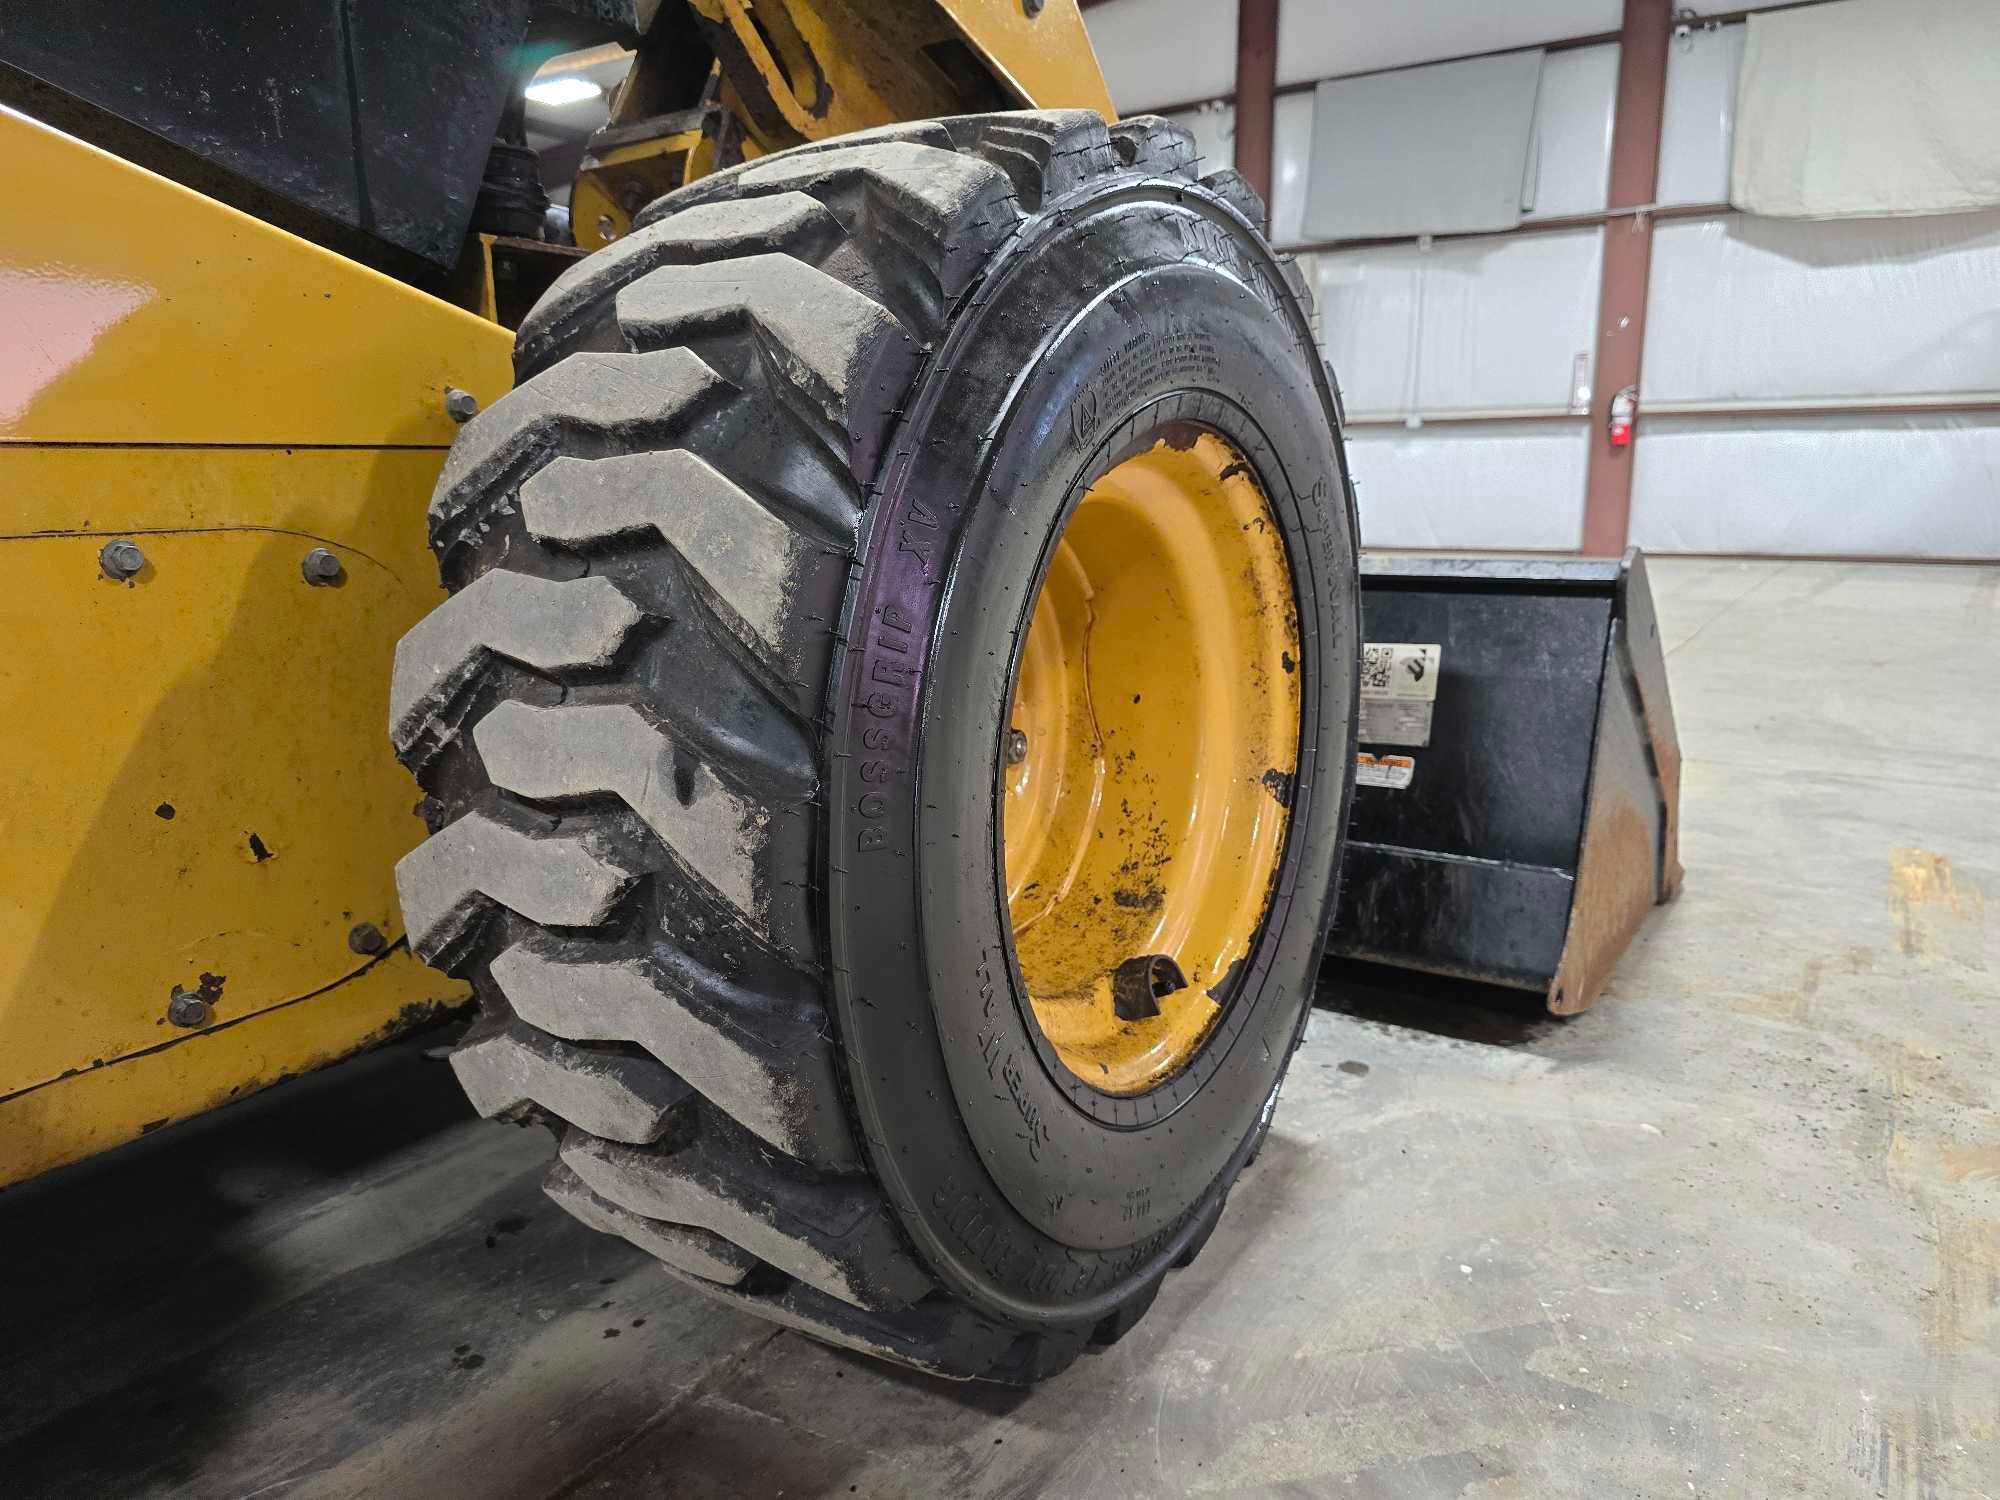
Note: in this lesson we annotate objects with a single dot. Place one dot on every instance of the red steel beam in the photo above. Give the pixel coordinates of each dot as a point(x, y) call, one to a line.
point(1628, 263)
point(1256, 89)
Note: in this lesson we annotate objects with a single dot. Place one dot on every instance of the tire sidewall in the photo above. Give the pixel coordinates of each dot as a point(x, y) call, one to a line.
point(1034, 1195)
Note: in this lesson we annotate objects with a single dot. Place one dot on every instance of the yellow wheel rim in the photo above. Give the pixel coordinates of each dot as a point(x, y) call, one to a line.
point(1151, 748)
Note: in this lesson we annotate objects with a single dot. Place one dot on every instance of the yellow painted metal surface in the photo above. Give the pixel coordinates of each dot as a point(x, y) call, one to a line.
point(227, 397)
point(809, 70)
point(1145, 807)
point(1047, 59)
point(613, 185)
point(138, 311)
point(192, 1072)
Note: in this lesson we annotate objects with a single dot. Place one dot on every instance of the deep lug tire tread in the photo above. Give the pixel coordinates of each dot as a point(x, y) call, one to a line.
point(617, 709)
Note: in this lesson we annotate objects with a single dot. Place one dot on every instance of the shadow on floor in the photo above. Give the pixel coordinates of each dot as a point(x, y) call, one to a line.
point(127, 1274)
point(1462, 1009)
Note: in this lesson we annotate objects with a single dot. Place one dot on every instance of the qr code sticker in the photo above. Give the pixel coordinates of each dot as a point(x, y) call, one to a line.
point(1375, 664)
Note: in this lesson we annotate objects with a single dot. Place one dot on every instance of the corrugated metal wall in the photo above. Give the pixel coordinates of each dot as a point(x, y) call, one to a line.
point(1809, 388)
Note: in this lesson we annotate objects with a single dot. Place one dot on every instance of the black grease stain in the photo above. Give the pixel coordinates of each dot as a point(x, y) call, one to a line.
point(611, 1333)
point(462, 1358)
point(164, 810)
point(1285, 661)
point(1358, 1069)
point(684, 785)
point(1239, 467)
point(1279, 785)
point(511, 1224)
point(1147, 900)
point(259, 850)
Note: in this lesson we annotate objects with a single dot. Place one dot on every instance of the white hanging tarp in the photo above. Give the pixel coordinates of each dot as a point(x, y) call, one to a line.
point(1869, 107)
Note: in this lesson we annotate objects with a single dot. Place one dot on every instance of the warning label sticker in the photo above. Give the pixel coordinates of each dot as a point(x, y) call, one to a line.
point(1399, 686)
point(1392, 771)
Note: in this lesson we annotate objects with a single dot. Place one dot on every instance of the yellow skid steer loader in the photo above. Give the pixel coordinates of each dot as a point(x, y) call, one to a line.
point(883, 743)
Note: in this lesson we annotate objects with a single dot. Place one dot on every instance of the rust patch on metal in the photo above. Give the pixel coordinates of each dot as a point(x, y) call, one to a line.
point(1615, 888)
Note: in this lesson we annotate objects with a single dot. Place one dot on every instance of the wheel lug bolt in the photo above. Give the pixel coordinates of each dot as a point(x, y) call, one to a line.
point(1017, 747)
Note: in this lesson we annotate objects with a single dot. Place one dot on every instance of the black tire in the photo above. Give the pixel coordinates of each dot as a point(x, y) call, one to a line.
point(701, 704)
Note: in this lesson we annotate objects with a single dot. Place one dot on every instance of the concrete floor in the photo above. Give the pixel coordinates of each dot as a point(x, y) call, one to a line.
point(1734, 1232)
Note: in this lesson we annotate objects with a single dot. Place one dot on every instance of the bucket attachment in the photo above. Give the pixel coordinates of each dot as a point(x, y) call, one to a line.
point(1517, 796)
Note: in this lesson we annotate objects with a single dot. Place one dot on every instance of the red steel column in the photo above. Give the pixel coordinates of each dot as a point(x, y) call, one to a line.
point(1256, 87)
point(1628, 262)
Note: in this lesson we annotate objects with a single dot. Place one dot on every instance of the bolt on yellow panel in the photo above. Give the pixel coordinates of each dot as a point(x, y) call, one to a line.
point(199, 794)
point(101, 1107)
point(196, 789)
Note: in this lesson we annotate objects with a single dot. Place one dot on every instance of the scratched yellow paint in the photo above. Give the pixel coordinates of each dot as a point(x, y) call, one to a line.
point(84, 1113)
point(159, 726)
point(1159, 711)
point(227, 397)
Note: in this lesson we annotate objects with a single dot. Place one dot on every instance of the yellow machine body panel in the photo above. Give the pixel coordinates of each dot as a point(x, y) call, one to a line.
point(1047, 58)
point(809, 70)
point(199, 794)
point(198, 788)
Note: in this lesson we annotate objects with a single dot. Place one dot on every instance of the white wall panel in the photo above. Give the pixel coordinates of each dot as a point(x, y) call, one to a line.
point(1291, 165)
point(1504, 319)
point(1766, 309)
point(1570, 170)
point(1571, 160)
point(1367, 314)
point(1160, 52)
point(1698, 127)
point(1330, 38)
point(1469, 325)
point(1435, 150)
point(1907, 486)
point(1499, 486)
point(1213, 127)
point(1214, 130)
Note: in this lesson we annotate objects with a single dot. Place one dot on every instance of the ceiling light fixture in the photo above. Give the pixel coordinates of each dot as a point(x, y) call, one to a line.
point(565, 90)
